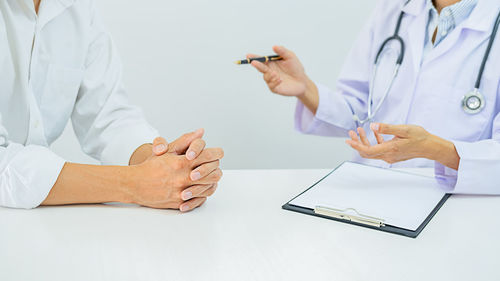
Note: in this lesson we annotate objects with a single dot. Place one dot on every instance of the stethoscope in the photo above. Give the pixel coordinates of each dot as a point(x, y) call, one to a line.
point(472, 103)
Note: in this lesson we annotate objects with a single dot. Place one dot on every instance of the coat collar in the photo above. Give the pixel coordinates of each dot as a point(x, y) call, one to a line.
point(49, 9)
point(481, 18)
point(480, 21)
point(414, 7)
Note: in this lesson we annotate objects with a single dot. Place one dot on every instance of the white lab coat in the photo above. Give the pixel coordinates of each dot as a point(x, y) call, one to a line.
point(427, 92)
point(57, 66)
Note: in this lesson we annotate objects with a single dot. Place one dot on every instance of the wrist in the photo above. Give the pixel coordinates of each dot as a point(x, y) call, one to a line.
point(310, 97)
point(128, 183)
point(308, 88)
point(442, 151)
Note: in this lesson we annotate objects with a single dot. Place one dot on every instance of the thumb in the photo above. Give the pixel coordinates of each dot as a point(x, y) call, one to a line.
point(283, 52)
point(160, 146)
point(180, 145)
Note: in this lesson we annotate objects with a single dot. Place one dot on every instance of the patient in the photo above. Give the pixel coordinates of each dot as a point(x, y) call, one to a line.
point(58, 62)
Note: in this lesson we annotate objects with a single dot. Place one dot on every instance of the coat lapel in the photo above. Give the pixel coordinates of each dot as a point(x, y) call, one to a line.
point(50, 9)
point(416, 38)
point(415, 18)
point(481, 20)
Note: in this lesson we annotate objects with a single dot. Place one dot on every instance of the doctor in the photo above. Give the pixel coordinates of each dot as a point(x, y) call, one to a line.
point(427, 113)
point(58, 62)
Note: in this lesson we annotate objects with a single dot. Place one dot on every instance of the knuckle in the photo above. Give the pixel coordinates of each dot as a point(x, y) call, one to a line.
point(221, 153)
point(202, 169)
point(180, 182)
point(177, 164)
point(209, 153)
point(211, 191)
point(180, 163)
point(162, 166)
point(198, 142)
point(186, 136)
point(201, 143)
point(178, 198)
point(365, 152)
point(184, 182)
point(218, 174)
point(395, 148)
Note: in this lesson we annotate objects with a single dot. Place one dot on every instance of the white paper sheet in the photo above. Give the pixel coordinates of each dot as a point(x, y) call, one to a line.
point(401, 199)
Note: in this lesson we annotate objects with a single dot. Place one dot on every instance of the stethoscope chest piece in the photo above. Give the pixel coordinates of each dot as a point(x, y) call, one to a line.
point(473, 102)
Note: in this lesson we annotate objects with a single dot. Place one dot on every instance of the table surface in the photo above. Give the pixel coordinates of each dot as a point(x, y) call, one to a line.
point(243, 234)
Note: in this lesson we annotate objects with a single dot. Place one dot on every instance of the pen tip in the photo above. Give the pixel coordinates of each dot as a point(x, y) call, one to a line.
point(237, 62)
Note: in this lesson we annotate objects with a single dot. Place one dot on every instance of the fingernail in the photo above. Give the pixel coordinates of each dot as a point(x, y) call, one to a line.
point(374, 126)
point(160, 148)
point(187, 195)
point(195, 175)
point(184, 208)
point(190, 155)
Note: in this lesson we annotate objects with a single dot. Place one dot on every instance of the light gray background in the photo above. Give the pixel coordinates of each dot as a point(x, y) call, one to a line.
point(178, 66)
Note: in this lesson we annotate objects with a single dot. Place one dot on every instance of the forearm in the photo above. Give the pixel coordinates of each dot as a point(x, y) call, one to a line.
point(442, 151)
point(310, 98)
point(79, 184)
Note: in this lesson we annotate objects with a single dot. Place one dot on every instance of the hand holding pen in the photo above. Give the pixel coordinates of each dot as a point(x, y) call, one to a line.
point(286, 76)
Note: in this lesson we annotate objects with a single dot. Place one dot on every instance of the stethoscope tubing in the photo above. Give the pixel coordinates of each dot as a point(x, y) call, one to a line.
point(399, 61)
point(397, 38)
point(487, 53)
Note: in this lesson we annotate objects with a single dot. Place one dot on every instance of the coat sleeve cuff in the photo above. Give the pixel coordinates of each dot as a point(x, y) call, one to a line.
point(29, 177)
point(479, 165)
point(446, 177)
point(119, 150)
point(333, 116)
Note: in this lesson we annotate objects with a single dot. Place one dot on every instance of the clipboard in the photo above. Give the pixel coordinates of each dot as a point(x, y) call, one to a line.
point(351, 215)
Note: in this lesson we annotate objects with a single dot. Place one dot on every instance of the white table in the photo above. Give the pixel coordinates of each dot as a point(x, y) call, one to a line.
point(243, 234)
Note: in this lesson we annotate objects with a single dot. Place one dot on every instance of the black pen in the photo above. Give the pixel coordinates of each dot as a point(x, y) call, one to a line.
point(261, 59)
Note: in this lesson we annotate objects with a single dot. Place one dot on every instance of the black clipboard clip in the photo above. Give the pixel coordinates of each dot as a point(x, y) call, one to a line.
point(343, 215)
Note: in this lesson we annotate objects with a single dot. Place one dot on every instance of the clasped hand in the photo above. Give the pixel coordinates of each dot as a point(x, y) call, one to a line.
point(180, 175)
